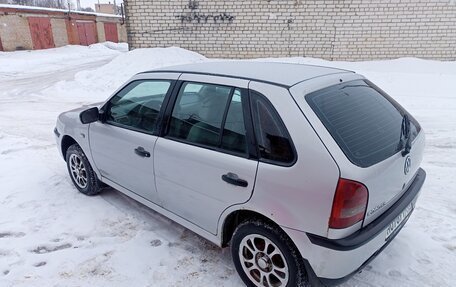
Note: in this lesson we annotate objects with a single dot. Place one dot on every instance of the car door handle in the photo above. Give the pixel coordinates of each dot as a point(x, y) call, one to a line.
point(234, 179)
point(142, 152)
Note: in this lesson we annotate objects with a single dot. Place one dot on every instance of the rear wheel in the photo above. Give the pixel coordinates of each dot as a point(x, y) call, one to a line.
point(265, 257)
point(81, 173)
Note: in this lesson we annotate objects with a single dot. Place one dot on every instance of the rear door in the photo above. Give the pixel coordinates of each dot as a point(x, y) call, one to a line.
point(202, 162)
point(362, 127)
point(122, 146)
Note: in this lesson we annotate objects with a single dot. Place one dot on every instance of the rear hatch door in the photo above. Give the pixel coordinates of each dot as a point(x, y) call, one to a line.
point(366, 132)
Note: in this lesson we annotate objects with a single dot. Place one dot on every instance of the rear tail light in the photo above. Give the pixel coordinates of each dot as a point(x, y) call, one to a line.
point(349, 204)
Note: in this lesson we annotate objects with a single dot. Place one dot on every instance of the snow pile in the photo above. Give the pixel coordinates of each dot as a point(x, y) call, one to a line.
point(50, 235)
point(100, 83)
point(123, 47)
point(42, 61)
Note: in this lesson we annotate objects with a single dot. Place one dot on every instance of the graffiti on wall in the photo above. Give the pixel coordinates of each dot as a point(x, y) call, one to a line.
point(194, 17)
point(197, 17)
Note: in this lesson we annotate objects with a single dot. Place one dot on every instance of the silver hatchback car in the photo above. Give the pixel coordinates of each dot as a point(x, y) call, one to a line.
point(306, 172)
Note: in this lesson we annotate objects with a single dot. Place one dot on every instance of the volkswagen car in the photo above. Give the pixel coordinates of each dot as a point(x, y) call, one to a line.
point(305, 172)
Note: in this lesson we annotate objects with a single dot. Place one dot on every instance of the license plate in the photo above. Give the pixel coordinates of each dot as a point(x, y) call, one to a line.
point(398, 220)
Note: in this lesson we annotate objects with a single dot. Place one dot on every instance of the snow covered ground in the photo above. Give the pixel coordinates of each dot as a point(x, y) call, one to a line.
point(50, 235)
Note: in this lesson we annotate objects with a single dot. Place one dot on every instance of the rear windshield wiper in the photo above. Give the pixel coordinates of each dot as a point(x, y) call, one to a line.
point(406, 133)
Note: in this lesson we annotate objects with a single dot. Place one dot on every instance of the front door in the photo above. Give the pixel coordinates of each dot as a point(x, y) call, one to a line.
point(122, 146)
point(202, 163)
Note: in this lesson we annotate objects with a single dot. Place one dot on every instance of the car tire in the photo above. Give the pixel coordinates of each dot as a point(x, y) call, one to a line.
point(262, 251)
point(81, 172)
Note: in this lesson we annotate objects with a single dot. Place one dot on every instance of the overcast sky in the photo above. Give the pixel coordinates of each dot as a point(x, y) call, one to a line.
point(91, 3)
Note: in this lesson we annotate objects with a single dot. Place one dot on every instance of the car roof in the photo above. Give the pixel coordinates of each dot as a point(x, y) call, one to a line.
point(283, 74)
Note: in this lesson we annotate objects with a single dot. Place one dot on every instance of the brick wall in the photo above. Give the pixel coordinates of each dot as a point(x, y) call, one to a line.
point(59, 32)
point(330, 29)
point(122, 31)
point(101, 32)
point(11, 27)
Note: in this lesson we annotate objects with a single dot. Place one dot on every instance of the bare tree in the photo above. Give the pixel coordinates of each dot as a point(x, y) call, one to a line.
point(39, 3)
point(87, 9)
point(48, 3)
point(24, 2)
point(60, 4)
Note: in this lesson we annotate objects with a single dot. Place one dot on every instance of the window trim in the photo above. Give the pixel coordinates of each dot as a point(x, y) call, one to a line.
point(285, 130)
point(225, 114)
point(166, 120)
point(155, 132)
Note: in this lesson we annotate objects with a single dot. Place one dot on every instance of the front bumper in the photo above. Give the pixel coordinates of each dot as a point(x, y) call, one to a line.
point(333, 261)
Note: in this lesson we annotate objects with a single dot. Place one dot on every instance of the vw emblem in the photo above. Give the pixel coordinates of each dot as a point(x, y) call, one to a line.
point(408, 164)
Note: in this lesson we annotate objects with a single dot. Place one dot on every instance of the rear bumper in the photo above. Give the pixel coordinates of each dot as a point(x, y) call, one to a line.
point(333, 261)
point(369, 232)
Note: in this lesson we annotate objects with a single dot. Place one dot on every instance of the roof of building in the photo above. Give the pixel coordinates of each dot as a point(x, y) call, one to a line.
point(284, 74)
point(31, 9)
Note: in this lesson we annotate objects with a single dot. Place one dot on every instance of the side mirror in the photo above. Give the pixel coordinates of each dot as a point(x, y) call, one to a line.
point(102, 116)
point(89, 116)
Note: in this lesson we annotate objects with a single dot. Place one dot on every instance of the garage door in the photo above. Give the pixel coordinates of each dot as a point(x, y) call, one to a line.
point(87, 33)
point(111, 32)
point(41, 32)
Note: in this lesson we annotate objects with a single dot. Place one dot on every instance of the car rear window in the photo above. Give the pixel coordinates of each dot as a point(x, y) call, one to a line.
point(363, 120)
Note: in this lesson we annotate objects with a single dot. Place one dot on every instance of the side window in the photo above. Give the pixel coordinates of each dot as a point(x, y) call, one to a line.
point(273, 141)
point(138, 104)
point(234, 133)
point(200, 115)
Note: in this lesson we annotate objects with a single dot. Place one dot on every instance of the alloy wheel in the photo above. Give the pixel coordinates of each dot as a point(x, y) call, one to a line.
point(263, 262)
point(78, 171)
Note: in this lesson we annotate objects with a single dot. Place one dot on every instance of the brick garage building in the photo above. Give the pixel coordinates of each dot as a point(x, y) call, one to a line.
point(27, 28)
point(330, 29)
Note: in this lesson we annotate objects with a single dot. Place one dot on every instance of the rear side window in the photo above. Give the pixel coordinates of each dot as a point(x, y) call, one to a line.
point(198, 114)
point(211, 116)
point(363, 120)
point(234, 133)
point(274, 143)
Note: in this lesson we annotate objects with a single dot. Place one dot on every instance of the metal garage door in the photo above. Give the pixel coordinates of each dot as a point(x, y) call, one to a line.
point(111, 32)
point(87, 33)
point(41, 32)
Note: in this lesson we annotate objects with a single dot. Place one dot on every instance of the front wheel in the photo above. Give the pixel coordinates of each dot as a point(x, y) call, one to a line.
point(264, 256)
point(81, 173)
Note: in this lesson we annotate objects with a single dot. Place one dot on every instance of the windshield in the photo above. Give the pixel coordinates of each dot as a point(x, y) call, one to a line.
point(363, 120)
